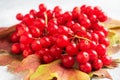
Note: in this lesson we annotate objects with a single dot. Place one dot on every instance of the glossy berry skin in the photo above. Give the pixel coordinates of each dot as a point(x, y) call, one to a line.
point(22, 29)
point(36, 45)
point(42, 7)
point(16, 48)
point(106, 60)
point(45, 42)
point(47, 58)
point(15, 37)
point(27, 52)
point(72, 49)
point(84, 45)
point(35, 31)
point(97, 64)
point(26, 38)
point(67, 61)
point(62, 41)
point(101, 50)
point(63, 30)
point(40, 23)
point(67, 16)
point(82, 57)
point(19, 16)
point(24, 46)
point(104, 41)
point(87, 68)
point(55, 52)
point(93, 55)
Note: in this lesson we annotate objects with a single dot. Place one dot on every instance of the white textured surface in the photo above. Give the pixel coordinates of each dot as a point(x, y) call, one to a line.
point(9, 9)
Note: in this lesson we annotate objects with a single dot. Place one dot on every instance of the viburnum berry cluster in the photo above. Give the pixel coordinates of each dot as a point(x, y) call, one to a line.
point(75, 36)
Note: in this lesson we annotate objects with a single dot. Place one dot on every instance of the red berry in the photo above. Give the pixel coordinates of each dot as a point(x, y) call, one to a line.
point(26, 38)
point(35, 31)
point(85, 67)
point(52, 29)
point(33, 12)
point(55, 52)
point(67, 16)
point(36, 45)
point(82, 57)
point(62, 41)
point(93, 55)
point(40, 23)
point(19, 16)
point(97, 64)
point(45, 42)
point(84, 45)
point(42, 7)
point(104, 41)
point(15, 37)
point(47, 58)
point(24, 46)
point(101, 50)
point(67, 61)
point(27, 52)
point(71, 49)
point(63, 30)
point(16, 48)
point(106, 60)
point(28, 19)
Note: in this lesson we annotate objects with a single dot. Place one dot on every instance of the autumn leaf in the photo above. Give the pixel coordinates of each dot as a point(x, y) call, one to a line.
point(27, 65)
point(6, 58)
point(102, 73)
point(54, 71)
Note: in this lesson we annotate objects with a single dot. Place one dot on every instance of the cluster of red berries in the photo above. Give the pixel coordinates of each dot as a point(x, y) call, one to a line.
point(72, 36)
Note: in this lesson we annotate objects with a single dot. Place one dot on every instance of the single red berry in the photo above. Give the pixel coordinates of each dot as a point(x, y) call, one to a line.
point(67, 16)
point(15, 37)
point(27, 52)
point(52, 28)
point(106, 60)
point(45, 42)
point(28, 19)
point(97, 64)
point(21, 29)
point(57, 9)
point(72, 49)
point(82, 57)
point(33, 12)
point(40, 53)
point(87, 68)
point(84, 45)
point(67, 61)
point(36, 45)
point(24, 46)
point(40, 23)
point(104, 41)
point(93, 55)
point(19, 16)
point(35, 31)
point(16, 48)
point(62, 41)
point(75, 13)
point(101, 50)
point(63, 30)
point(26, 38)
point(47, 58)
point(42, 7)
point(86, 23)
point(70, 24)
point(55, 51)
point(49, 14)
